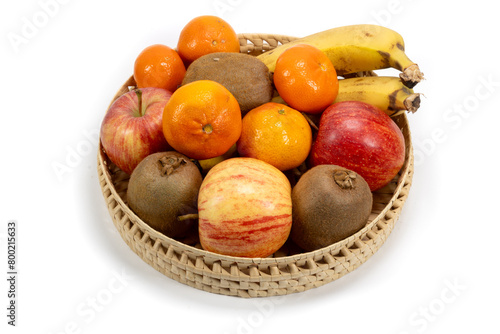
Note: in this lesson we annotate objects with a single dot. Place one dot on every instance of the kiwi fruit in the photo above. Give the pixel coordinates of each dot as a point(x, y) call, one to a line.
point(245, 76)
point(163, 192)
point(329, 203)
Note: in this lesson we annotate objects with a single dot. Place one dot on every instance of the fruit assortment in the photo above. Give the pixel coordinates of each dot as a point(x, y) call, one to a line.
point(244, 153)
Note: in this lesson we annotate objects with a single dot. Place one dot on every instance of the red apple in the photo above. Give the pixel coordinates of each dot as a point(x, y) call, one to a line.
point(132, 128)
point(245, 208)
point(362, 138)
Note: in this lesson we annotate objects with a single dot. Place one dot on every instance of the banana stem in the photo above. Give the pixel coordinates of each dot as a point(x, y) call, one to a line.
point(412, 102)
point(411, 76)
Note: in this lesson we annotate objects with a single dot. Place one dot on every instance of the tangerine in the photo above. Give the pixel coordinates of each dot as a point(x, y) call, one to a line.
point(306, 79)
point(202, 120)
point(159, 66)
point(276, 134)
point(206, 34)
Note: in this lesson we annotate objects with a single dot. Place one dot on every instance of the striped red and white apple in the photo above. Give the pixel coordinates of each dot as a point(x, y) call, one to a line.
point(245, 208)
point(132, 127)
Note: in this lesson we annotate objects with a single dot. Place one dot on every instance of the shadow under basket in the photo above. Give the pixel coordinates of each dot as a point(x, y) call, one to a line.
point(287, 271)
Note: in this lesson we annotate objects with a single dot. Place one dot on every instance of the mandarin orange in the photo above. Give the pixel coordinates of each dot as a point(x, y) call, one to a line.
point(159, 66)
point(206, 34)
point(306, 79)
point(202, 120)
point(276, 134)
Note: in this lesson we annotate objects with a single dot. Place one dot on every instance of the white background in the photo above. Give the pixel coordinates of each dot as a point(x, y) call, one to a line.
point(435, 273)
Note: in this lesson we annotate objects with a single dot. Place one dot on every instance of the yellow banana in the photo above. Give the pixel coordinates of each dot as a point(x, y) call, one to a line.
point(386, 93)
point(357, 48)
point(207, 164)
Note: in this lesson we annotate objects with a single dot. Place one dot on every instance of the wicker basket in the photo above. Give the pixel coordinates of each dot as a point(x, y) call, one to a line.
point(287, 271)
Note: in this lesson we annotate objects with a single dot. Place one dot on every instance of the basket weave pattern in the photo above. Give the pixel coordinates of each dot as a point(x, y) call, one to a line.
point(284, 272)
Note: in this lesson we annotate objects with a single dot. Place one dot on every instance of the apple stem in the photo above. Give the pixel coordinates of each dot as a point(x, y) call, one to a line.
point(139, 98)
point(188, 216)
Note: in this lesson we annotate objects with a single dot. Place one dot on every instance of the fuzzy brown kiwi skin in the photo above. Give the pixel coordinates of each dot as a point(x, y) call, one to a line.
point(329, 203)
point(163, 187)
point(245, 76)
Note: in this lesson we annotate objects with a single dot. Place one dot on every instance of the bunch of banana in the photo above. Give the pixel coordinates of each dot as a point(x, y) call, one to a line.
point(357, 48)
point(387, 93)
